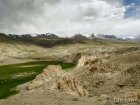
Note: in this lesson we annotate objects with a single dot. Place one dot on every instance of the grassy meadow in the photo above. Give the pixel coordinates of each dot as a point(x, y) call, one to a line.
point(16, 74)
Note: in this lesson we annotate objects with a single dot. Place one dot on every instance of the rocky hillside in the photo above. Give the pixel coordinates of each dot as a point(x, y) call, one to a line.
point(12, 51)
point(102, 76)
point(110, 74)
point(106, 70)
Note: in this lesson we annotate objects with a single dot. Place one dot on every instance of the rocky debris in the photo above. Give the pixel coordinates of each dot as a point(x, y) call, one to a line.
point(127, 50)
point(54, 78)
point(92, 59)
point(86, 60)
point(89, 64)
point(107, 75)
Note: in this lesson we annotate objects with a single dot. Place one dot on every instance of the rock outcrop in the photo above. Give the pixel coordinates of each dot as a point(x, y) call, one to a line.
point(107, 75)
point(54, 78)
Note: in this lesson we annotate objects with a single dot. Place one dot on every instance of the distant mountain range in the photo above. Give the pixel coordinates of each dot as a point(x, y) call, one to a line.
point(48, 35)
point(50, 39)
point(137, 38)
point(102, 36)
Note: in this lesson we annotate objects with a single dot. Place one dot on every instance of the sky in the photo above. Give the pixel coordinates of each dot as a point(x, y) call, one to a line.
point(68, 17)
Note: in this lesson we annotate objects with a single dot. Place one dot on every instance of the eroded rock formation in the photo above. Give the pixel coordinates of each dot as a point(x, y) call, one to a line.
point(54, 78)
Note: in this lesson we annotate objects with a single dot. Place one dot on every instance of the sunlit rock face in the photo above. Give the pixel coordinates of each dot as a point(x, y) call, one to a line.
point(54, 78)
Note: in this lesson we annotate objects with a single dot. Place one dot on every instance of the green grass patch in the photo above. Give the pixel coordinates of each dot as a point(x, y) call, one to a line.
point(17, 74)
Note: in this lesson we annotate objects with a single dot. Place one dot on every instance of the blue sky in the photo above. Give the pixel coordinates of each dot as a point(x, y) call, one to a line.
point(133, 9)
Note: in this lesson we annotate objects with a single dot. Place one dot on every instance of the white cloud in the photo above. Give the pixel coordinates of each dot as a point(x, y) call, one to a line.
point(127, 27)
point(72, 16)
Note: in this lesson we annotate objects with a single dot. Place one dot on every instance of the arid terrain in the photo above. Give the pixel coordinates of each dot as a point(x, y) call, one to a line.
point(107, 72)
point(69, 52)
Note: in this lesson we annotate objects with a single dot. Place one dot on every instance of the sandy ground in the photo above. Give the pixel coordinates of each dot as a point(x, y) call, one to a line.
point(50, 98)
point(42, 97)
